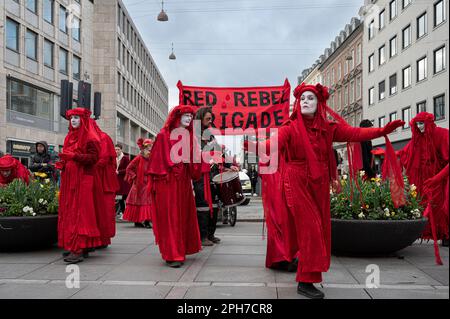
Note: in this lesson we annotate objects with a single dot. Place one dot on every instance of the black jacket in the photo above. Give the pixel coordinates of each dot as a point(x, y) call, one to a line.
point(38, 159)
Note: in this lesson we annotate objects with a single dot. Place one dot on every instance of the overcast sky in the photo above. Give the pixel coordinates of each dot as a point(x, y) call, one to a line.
point(238, 42)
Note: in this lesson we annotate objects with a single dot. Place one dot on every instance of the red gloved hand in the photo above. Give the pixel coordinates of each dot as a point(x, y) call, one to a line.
point(392, 126)
point(59, 165)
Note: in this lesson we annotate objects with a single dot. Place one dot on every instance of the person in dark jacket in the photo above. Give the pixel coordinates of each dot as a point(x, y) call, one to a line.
point(207, 219)
point(122, 163)
point(254, 180)
point(367, 156)
point(41, 162)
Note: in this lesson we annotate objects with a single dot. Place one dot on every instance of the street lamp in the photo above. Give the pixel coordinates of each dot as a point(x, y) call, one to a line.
point(172, 55)
point(162, 16)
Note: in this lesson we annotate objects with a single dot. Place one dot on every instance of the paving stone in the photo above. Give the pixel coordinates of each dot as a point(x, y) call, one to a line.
point(35, 257)
point(236, 260)
point(438, 273)
point(239, 250)
point(145, 273)
point(408, 294)
point(122, 292)
point(330, 293)
point(58, 272)
point(231, 293)
point(33, 291)
point(11, 271)
point(235, 274)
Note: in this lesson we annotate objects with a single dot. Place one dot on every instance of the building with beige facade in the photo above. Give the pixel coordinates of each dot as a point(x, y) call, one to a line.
point(46, 41)
point(405, 63)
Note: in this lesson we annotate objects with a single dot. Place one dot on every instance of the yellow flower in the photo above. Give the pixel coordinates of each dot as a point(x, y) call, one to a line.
point(367, 206)
point(414, 194)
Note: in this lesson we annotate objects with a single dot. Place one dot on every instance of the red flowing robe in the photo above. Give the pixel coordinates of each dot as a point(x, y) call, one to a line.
point(425, 159)
point(175, 223)
point(18, 171)
point(106, 185)
point(77, 220)
point(139, 201)
point(307, 228)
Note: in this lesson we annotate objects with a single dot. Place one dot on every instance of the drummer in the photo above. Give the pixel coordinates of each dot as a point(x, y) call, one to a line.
point(206, 198)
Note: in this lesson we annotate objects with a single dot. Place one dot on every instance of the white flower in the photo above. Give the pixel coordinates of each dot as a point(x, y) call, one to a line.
point(386, 210)
point(45, 202)
point(361, 215)
point(378, 176)
point(413, 187)
point(344, 177)
point(47, 181)
point(26, 209)
point(41, 200)
point(388, 215)
point(362, 173)
point(34, 214)
point(42, 186)
point(378, 184)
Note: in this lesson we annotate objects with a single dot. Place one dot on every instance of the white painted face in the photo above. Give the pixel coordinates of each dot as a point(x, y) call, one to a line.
point(6, 173)
point(308, 103)
point(421, 126)
point(75, 121)
point(186, 119)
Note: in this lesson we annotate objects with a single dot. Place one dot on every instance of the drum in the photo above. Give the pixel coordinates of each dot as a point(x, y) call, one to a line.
point(230, 189)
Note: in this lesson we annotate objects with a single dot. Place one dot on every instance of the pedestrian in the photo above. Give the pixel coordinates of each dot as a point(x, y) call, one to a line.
point(425, 159)
point(78, 231)
point(11, 169)
point(367, 156)
point(175, 223)
point(106, 185)
point(254, 179)
point(41, 161)
point(305, 141)
point(124, 188)
point(138, 209)
point(206, 192)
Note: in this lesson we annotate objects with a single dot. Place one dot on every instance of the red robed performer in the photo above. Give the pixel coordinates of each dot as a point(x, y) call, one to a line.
point(426, 159)
point(106, 185)
point(175, 217)
point(77, 221)
point(11, 169)
point(305, 142)
point(138, 209)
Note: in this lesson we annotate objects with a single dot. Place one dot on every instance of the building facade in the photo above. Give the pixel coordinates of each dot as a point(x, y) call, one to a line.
point(46, 41)
point(405, 63)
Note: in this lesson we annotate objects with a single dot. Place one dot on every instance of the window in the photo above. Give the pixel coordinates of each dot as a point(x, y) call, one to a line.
point(339, 71)
point(32, 5)
point(381, 121)
point(382, 55)
point(406, 77)
point(358, 87)
point(63, 19)
point(76, 67)
point(371, 62)
point(406, 32)
point(358, 54)
point(63, 61)
point(439, 107)
point(371, 95)
point(421, 107)
point(381, 19)
point(392, 9)
point(371, 29)
point(406, 3)
point(422, 25)
point(439, 13)
point(76, 29)
point(392, 116)
point(48, 11)
point(48, 53)
point(406, 117)
point(29, 100)
point(352, 92)
point(439, 60)
point(31, 45)
point(393, 47)
point(381, 90)
point(422, 69)
point(12, 35)
point(393, 84)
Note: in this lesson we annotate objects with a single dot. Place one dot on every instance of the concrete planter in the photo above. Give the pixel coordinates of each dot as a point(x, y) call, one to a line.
point(28, 233)
point(374, 237)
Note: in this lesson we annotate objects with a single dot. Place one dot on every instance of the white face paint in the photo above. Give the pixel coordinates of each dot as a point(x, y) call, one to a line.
point(421, 126)
point(308, 104)
point(186, 119)
point(75, 121)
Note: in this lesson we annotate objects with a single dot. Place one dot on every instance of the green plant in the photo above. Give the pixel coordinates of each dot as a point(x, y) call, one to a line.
point(38, 198)
point(372, 201)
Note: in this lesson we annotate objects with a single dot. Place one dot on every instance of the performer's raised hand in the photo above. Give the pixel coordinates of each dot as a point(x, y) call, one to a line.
point(392, 126)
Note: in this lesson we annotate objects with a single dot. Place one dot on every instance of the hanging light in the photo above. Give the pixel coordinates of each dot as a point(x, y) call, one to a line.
point(172, 55)
point(162, 16)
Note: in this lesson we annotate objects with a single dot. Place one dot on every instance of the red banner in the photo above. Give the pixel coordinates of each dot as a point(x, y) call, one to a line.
point(241, 108)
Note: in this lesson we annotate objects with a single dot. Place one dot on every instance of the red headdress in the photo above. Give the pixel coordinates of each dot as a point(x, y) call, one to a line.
point(78, 137)
point(173, 120)
point(8, 162)
point(142, 143)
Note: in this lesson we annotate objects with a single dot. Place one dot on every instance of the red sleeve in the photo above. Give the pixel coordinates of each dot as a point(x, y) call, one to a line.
point(347, 133)
point(91, 156)
point(131, 170)
point(443, 143)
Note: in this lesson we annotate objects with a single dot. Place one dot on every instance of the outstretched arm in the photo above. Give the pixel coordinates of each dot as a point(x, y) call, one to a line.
point(347, 133)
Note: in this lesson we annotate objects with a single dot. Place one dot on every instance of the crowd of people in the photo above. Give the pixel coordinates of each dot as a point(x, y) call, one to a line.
point(165, 189)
